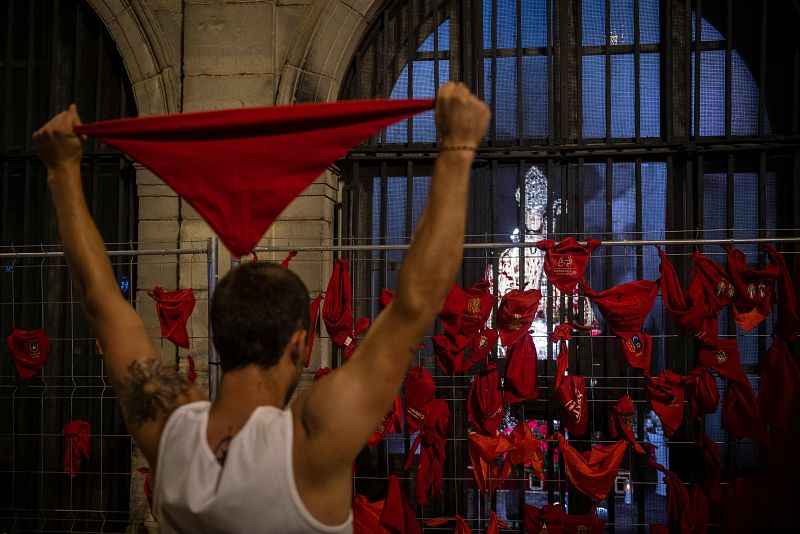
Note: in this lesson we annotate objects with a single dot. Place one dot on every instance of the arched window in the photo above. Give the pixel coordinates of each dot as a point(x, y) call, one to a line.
point(53, 53)
point(604, 124)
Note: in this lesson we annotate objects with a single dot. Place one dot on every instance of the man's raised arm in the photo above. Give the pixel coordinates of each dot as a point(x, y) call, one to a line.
point(148, 391)
point(344, 408)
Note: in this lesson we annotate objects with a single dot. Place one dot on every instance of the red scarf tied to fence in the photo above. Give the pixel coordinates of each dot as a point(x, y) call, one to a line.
point(433, 438)
point(392, 422)
point(570, 390)
point(516, 313)
point(522, 374)
point(752, 302)
point(337, 312)
point(367, 516)
point(77, 434)
point(779, 388)
point(565, 261)
point(174, 309)
point(666, 398)
point(519, 447)
point(485, 400)
point(625, 307)
point(29, 348)
point(465, 311)
point(240, 168)
point(740, 414)
point(620, 425)
point(787, 326)
point(722, 356)
point(420, 390)
point(703, 392)
point(592, 472)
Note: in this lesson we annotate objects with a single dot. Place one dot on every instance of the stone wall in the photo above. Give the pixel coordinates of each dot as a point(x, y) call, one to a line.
point(194, 55)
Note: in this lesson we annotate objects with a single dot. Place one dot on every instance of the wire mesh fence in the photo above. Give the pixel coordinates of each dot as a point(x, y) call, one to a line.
point(41, 489)
point(639, 495)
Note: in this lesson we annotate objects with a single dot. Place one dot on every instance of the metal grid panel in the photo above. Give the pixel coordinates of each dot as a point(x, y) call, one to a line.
point(626, 145)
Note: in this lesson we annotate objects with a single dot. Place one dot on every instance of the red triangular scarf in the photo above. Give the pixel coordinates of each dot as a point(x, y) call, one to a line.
point(565, 261)
point(240, 168)
point(626, 306)
point(522, 447)
point(723, 357)
point(752, 302)
point(621, 423)
point(174, 309)
point(516, 313)
point(312, 327)
point(592, 472)
point(521, 374)
point(29, 348)
point(740, 414)
point(337, 312)
point(77, 433)
point(703, 392)
point(480, 346)
point(570, 390)
point(485, 400)
point(666, 398)
point(433, 438)
point(392, 422)
point(397, 516)
point(420, 390)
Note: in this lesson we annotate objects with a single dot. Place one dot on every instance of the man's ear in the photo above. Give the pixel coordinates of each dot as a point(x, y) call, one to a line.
point(298, 346)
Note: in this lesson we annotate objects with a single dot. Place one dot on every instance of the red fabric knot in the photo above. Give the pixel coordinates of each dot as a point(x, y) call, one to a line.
point(516, 313)
point(565, 261)
point(703, 392)
point(191, 374)
point(361, 326)
point(337, 312)
point(392, 422)
point(592, 472)
point(147, 486)
point(397, 516)
point(289, 257)
point(552, 519)
point(240, 168)
point(521, 381)
point(753, 299)
point(461, 527)
point(570, 390)
point(666, 397)
point(432, 437)
point(30, 349)
point(465, 311)
point(620, 425)
point(521, 447)
point(174, 309)
point(77, 434)
point(485, 401)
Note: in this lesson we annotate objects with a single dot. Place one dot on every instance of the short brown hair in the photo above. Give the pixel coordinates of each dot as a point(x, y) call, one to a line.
point(254, 311)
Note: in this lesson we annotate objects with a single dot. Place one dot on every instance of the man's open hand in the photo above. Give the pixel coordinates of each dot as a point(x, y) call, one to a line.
point(461, 118)
point(56, 142)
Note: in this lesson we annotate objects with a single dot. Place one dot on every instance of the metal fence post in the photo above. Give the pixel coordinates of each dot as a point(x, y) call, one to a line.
point(213, 357)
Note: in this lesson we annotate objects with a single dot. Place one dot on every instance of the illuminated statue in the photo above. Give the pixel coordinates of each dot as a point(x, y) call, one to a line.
point(537, 226)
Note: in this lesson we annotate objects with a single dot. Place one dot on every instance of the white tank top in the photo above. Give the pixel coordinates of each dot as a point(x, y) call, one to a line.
point(254, 491)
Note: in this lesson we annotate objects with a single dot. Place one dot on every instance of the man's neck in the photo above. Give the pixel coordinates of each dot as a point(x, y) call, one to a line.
point(243, 390)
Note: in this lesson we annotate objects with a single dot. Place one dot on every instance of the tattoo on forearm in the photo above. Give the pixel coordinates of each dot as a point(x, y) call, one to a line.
point(148, 390)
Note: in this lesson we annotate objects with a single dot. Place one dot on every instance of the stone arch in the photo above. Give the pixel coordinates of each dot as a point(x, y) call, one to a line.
point(319, 58)
point(145, 51)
